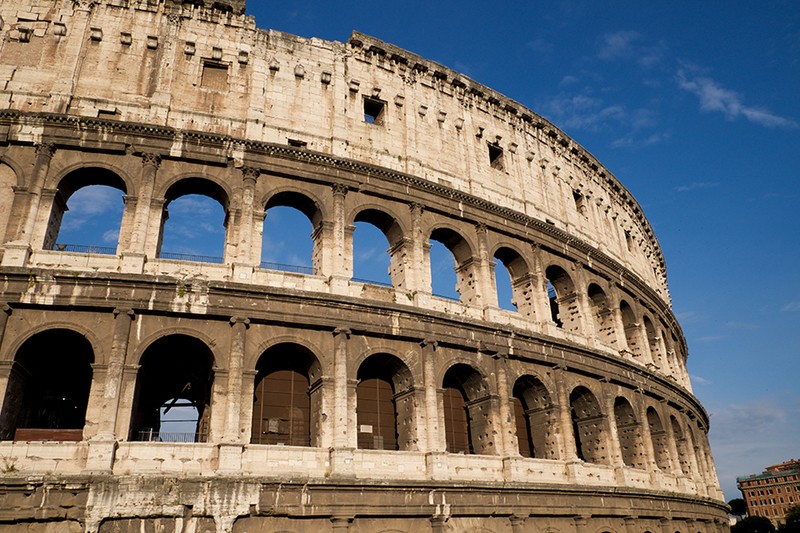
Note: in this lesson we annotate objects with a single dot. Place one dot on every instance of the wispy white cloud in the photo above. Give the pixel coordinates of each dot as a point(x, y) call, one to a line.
point(714, 97)
point(742, 326)
point(617, 44)
point(697, 185)
point(749, 436)
point(629, 45)
point(699, 380)
point(709, 338)
point(791, 307)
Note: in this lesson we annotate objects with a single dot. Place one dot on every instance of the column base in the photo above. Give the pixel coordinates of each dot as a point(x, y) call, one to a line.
point(16, 254)
point(102, 452)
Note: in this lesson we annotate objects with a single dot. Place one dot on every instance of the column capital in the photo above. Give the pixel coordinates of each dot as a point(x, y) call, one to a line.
point(342, 331)
point(339, 189)
point(250, 174)
point(240, 320)
point(127, 311)
point(416, 208)
point(151, 159)
point(7, 309)
point(429, 342)
point(45, 150)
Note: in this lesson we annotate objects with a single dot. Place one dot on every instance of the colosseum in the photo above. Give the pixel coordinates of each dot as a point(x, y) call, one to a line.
point(321, 402)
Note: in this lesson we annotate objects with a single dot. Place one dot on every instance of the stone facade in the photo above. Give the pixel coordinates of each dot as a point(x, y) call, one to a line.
point(573, 413)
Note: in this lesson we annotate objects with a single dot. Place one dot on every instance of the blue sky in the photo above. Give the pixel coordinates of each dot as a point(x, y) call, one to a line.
point(694, 106)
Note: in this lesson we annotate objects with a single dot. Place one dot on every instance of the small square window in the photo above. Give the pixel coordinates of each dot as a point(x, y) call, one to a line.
point(374, 110)
point(496, 157)
point(297, 143)
point(215, 76)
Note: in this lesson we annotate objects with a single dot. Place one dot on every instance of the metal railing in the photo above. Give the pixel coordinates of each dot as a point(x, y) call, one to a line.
point(191, 257)
point(373, 282)
point(297, 269)
point(151, 435)
point(85, 249)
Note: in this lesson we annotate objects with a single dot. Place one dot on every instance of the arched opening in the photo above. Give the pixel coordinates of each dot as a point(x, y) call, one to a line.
point(292, 236)
point(48, 388)
point(513, 282)
point(384, 404)
point(87, 212)
point(287, 397)
point(466, 411)
point(8, 180)
point(172, 402)
point(194, 223)
point(630, 435)
point(682, 446)
point(589, 427)
point(631, 326)
point(375, 239)
point(563, 299)
point(654, 342)
point(503, 287)
point(659, 437)
point(602, 314)
point(534, 419)
point(461, 269)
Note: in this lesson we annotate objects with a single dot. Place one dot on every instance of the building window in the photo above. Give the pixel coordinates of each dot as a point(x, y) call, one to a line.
point(374, 111)
point(215, 76)
point(496, 156)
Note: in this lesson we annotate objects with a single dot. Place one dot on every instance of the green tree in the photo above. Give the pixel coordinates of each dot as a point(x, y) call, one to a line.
point(738, 507)
point(791, 521)
point(753, 524)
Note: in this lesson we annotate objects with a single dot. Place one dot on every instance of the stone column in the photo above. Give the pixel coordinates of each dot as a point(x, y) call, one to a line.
point(486, 287)
point(5, 366)
point(614, 449)
point(125, 409)
point(432, 433)
point(341, 438)
point(341, 261)
point(245, 245)
point(18, 251)
point(344, 437)
point(569, 450)
point(233, 422)
point(622, 339)
point(541, 300)
point(647, 438)
point(134, 252)
point(587, 326)
point(507, 438)
point(248, 388)
point(630, 524)
point(646, 352)
point(105, 401)
point(418, 272)
point(672, 446)
point(230, 447)
point(438, 524)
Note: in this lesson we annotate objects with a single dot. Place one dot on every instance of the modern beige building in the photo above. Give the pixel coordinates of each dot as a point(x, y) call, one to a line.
point(319, 402)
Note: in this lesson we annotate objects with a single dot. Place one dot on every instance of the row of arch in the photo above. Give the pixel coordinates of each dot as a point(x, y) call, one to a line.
point(485, 268)
point(49, 389)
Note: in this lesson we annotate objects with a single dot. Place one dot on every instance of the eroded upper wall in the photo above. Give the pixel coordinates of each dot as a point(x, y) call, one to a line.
point(198, 68)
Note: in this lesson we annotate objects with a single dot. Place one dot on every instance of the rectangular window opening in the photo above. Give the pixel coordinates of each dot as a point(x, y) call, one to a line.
point(215, 76)
point(496, 157)
point(374, 110)
point(297, 143)
point(580, 202)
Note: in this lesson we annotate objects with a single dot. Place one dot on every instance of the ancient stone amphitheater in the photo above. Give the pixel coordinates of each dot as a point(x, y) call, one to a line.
point(321, 402)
